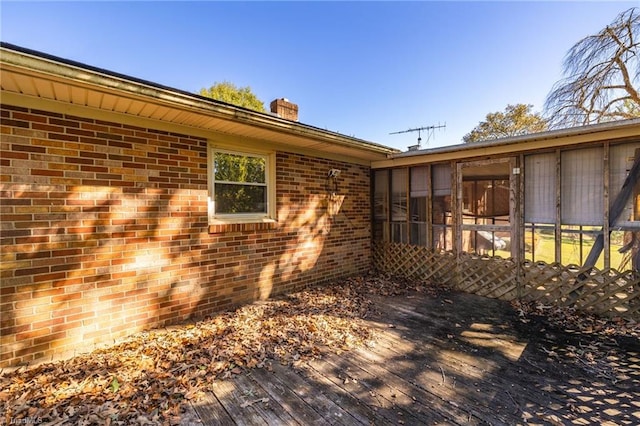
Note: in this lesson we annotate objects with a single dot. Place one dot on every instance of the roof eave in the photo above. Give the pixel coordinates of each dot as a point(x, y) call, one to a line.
point(39, 63)
point(614, 130)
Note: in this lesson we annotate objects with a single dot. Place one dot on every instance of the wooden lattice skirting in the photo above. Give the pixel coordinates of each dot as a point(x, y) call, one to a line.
point(605, 293)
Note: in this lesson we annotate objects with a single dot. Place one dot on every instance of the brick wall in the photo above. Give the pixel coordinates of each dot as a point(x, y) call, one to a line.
point(104, 233)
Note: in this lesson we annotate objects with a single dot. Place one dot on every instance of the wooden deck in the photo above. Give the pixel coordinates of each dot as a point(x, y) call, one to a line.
point(456, 359)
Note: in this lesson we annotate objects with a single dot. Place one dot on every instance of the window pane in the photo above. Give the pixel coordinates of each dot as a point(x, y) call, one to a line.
point(380, 231)
point(399, 205)
point(442, 210)
point(418, 206)
point(239, 168)
point(441, 204)
point(380, 205)
point(399, 232)
point(418, 233)
point(380, 194)
point(399, 195)
point(234, 198)
point(418, 212)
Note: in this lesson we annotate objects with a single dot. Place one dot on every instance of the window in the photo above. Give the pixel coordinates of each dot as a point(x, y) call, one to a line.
point(401, 206)
point(241, 188)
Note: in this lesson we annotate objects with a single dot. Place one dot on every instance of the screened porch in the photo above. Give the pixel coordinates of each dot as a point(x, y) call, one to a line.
point(562, 224)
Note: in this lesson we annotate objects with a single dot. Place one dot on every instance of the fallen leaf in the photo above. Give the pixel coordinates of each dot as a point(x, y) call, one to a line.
point(156, 372)
point(249, 403)
point(115, 385)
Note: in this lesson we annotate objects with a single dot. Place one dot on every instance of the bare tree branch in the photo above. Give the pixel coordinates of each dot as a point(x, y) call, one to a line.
point(602, 74)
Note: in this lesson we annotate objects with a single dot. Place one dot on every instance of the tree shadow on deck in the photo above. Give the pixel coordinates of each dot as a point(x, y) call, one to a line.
point(479, 356)
point(458, 358)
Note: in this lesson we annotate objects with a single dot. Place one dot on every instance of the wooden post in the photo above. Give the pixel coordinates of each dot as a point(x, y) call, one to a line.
point(519, 237)
point(387, 227)
point(514, 210)
point(457, 204)
point(605, 205)
point(429, 210)
point(456, 213)
point(635, 257)
point(558, 230)
point(407, 206)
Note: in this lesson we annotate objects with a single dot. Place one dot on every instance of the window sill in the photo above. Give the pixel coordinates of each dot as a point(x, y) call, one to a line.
point(221, 227)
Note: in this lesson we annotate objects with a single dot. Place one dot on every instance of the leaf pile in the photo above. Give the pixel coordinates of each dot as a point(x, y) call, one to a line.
point(388, 285)
point(598, 345)
point(150, 376)
point(572, 321)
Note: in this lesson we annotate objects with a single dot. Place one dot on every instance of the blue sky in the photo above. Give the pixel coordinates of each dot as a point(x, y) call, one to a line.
point(364, 69)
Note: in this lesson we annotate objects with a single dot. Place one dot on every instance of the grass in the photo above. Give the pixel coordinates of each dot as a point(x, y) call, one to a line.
point(570, 251)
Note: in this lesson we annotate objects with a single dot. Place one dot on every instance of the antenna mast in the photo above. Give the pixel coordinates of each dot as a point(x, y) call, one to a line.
point(428, 129)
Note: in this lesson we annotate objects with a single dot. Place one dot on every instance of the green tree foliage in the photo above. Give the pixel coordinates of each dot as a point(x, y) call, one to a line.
point(602, 76)
point(231, 94)
point(514, 121)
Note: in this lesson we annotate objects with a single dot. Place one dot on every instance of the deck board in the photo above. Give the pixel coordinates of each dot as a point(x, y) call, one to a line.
point(398, 395)
point(460, 360)
point(229, 394)
point(265, 405)
point(300, 397)
point(288, 400)
point(428, 401)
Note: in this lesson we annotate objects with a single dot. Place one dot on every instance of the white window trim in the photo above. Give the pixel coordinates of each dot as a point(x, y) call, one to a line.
point(222, 219)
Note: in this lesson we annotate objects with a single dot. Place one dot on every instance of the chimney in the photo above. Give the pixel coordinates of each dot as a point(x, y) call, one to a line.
point(284, 109)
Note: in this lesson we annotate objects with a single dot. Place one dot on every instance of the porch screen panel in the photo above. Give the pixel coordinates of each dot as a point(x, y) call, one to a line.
point(582, 187)
point(441, 179)
point(540, 188)
point(380, 205)
point(399, 205)
point(418, 205)
point(441, 207)
point(621, 159)
point(419, 182)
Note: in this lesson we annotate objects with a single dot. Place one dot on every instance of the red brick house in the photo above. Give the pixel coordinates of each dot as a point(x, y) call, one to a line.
point(128, 205)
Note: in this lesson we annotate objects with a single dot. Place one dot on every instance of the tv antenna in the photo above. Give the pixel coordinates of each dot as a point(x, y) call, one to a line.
point(428, 129)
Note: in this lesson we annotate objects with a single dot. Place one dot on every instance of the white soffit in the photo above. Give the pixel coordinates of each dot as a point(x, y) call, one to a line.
point(66, 84)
